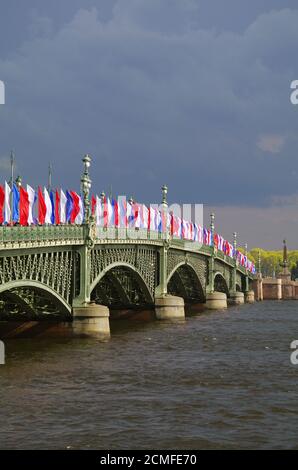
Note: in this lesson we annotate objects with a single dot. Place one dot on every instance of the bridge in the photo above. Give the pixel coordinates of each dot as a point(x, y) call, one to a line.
point(82, 273)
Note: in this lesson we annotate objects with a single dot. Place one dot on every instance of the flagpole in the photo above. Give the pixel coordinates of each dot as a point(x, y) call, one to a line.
point(18, 185)
point(49, 177)
point(11, 183)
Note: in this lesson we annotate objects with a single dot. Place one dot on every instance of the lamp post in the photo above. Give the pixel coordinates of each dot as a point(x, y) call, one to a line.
point(259, 263)
point(245, 252)
point(164, 205)
point(212, 227)
point(211, 266)
point(50, 177)
point(235, 244)
point(12, 162)
point(164, 190)
point(163, 263)
point(86, 186)
point(246, 276)
point(234, 280)
point(19, 182)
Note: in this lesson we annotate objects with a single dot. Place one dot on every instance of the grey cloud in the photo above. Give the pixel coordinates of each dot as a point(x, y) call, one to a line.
point(156, 98)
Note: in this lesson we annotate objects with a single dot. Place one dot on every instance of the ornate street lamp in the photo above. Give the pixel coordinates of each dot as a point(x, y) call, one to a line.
point(164, 195)
point(86, 186)
point(259, 262)
point(50, 177)
point(164, 204)
point(245, 249)
point(19, 182)
point(212, 227)
point(235, 243)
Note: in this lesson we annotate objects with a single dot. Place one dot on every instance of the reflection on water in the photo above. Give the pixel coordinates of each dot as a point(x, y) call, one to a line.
point(218, 380)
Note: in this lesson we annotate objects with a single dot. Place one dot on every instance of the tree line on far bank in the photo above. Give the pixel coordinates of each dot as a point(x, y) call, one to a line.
point(271, 261)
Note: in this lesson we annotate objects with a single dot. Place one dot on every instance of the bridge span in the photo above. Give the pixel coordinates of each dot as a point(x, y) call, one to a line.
point(84, 272)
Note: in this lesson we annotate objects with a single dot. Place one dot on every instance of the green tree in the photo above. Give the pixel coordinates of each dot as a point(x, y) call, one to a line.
point(271, 260)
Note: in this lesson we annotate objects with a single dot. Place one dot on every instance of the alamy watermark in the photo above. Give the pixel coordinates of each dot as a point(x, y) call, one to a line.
point(294, 94)
point(2, 92)
point(2, 353)
point(158, 221)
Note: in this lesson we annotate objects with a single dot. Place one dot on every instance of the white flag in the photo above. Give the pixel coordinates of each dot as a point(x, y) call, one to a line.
point(129, 214)
point(144, 216)
point(99, 212)
point(63, 200)
point(80, 217)
point(7, 212)
point(137, 214)
point(110, 213)
point(31, 197)
point(47, 200)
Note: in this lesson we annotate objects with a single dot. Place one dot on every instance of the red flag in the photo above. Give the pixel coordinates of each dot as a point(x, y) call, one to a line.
point(172, 224)
point(136, 210)
point(105, 212)
point(216, 240)
point(57, 206)
point(93, 204)
point(24, 206)
point(116, 212)
point(42, 208)
point(2, 199)
point(76, 206)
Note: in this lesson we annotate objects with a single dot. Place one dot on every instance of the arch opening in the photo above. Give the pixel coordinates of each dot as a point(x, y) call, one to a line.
point(121, 287)
point(220, 284)
point(185, 283)
point(20, 301)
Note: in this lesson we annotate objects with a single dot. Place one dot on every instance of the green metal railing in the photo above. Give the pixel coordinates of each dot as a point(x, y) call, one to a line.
point(74, 234)
point(40, 233)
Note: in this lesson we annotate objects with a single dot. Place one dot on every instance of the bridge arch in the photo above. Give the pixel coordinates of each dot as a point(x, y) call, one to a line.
point(184, 281)
point(123, 282)
point(220, 283)
point(35, 286)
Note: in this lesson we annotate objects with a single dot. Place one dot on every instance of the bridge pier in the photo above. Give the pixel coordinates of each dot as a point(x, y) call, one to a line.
point(216, 300)
point(249, 297)
point(236, 298)
point(91, 320)
point(258, 288)
point(169, 307)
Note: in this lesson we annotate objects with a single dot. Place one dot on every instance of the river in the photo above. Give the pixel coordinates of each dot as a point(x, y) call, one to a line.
point(219, 380)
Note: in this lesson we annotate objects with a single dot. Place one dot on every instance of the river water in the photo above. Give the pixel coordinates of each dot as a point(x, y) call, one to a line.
point(219, 380)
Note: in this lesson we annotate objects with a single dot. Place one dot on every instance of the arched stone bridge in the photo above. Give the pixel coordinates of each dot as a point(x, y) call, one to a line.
point(71, 270)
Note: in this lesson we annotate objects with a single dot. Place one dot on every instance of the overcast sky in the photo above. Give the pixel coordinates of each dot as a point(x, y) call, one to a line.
point(191, 93)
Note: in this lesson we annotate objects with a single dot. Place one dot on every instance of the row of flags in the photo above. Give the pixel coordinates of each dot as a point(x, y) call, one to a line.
point(30, 207)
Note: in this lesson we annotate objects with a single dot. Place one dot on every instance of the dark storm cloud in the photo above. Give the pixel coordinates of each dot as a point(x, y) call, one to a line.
point(157, 93)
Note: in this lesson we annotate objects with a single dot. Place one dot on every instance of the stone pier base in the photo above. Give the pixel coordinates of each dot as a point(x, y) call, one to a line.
point(91, 320)
point(249, 297)
point(216, 300)
point(272, 289)
point(258, 288)
point(169, 307)
point(288, 289)
point(236, 298)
